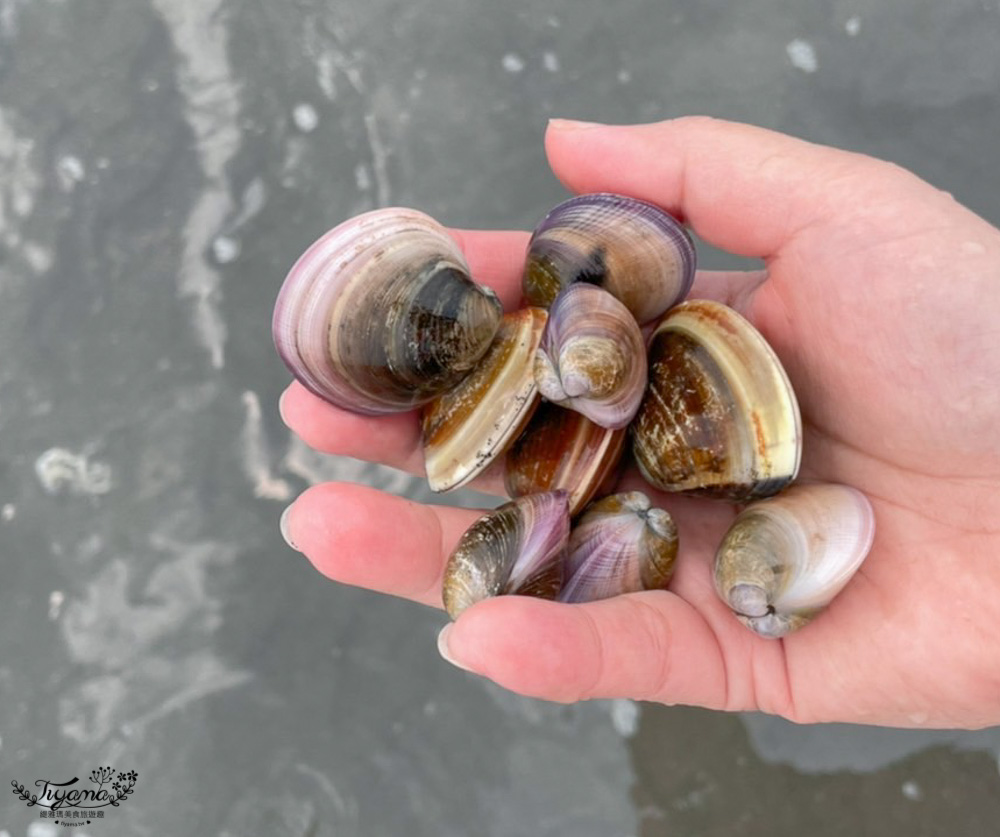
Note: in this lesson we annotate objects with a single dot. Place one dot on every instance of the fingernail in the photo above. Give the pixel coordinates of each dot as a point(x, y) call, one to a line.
point(573, 125)
point(445, 651)
point(281, 404)
point(283, 525)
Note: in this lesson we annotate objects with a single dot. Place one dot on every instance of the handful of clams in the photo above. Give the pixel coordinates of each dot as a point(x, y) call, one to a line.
point(381, 315)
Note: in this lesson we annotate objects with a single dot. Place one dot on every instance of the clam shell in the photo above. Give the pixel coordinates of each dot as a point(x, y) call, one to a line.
point(719, 417)
point(633, 249)
point(467, 428)
point(517, 548)
point(380, 315)
point(560, 449)
point(784, 559)
point(592, 358)
point(619, 545)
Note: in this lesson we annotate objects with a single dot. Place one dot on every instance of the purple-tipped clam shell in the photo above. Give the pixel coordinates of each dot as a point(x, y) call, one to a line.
point(592, 358)
point(635, 250)
point(379, 315)
point(619, 545)
point(515, 549)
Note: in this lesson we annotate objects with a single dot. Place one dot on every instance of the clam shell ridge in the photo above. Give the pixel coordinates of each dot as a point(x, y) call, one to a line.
point(517, 548)
point(784, 559)
point(380, 315)
point(719, 417)
point(620, 545)
point(561, 449)
point(633, 249)
point(470, 426)
point(592, 358)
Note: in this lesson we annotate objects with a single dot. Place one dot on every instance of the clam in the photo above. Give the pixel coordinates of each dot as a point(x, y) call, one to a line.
point(719, 417)
point(592, 358)
point(560, 449)
point(784, 559)
point(380, 314)
point(467, 428)
point(636, 251)
point(516, 549)
point(619, 545)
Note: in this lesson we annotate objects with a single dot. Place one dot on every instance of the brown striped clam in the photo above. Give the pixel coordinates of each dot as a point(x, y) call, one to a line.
point(719, 417)
point(468, 427)
point(592, 358)
point(562, 449)
point(380, 315)
point(621, 544)
point(785, 558)
point(633, 249)
point(516, 549)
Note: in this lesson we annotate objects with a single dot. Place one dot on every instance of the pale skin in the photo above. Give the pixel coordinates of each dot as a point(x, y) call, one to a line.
point(881, 296)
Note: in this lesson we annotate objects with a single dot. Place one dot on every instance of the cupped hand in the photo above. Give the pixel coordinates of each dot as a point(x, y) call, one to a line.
point(881, 295)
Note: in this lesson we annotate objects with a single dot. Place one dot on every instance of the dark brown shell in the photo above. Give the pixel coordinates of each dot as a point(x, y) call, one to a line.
point(562, 449)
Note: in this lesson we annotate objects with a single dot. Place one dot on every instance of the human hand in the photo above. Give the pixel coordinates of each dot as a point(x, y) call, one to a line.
point(881, 296)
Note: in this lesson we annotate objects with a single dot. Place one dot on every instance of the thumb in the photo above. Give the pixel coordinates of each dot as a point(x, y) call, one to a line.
point(646, 646)
point(743, 189)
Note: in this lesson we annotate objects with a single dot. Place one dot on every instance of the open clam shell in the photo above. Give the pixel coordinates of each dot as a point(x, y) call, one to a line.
point(516, 549)
point(784, 559)
point(620, 545)
point(561, 449)
point(380, 315)
point(633, 249)
point(719, 417)
point(592, 358)
point(467, 428)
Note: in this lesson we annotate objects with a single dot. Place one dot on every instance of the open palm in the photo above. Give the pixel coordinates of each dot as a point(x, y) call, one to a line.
point(882, 298)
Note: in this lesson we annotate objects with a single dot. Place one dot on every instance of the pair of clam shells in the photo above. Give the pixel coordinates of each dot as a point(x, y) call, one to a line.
point(619, 545)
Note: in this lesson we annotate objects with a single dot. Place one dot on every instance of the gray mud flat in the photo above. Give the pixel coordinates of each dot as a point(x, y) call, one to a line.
point(162, 163)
